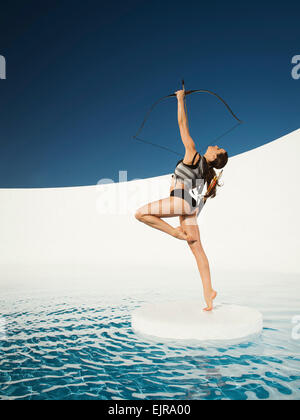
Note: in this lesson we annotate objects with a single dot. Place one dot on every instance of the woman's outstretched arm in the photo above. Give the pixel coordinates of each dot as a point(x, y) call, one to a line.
point(184, 127)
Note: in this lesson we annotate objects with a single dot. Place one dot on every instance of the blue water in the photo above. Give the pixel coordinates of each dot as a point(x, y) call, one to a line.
point(81, 346)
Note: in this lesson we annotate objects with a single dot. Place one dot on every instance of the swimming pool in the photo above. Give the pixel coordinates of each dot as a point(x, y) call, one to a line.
point(61, 345)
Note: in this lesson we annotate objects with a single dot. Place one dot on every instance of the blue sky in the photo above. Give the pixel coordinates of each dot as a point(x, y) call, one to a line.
point(81, 76)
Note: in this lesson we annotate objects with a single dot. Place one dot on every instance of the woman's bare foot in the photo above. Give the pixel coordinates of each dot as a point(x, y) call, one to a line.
point(179, 233)
point(209, 300)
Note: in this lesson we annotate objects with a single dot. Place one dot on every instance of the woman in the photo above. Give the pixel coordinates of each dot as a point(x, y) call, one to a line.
point(190, 175)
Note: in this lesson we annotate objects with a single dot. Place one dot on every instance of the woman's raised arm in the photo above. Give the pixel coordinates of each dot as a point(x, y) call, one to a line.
point(183, 123)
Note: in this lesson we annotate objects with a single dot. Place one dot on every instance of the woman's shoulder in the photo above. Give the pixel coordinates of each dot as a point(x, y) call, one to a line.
point(192, 160)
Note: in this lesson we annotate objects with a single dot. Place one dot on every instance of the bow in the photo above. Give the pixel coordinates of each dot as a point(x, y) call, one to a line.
point(188, 92)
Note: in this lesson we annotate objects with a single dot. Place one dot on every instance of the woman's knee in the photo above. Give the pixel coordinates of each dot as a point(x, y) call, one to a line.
point(193, 242)
point(139, 214)
point(143, 211)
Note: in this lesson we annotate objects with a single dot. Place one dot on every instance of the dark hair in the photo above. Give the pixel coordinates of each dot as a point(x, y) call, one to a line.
point(218, 163)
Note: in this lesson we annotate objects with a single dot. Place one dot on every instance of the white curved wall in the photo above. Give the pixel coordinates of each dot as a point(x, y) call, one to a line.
point(252, 224)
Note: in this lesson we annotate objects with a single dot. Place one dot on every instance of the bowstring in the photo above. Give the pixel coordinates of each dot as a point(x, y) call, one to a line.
point(157, 145)
point(222, 135)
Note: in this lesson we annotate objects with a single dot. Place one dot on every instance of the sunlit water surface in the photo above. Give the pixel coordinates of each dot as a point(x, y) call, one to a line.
point(62, 345)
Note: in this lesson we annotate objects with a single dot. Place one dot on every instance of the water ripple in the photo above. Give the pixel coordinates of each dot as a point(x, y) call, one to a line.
point(60, 348)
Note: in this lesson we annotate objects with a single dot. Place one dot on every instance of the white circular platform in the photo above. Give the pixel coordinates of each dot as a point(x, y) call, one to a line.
point(186, 320)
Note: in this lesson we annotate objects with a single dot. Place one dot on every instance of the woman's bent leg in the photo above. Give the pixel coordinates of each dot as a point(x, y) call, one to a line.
point(151, 215)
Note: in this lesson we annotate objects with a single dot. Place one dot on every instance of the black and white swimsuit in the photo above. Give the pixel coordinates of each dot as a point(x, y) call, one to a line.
point(193, 178)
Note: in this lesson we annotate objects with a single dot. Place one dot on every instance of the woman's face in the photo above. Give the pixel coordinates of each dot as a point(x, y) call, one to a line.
point(214, 151)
